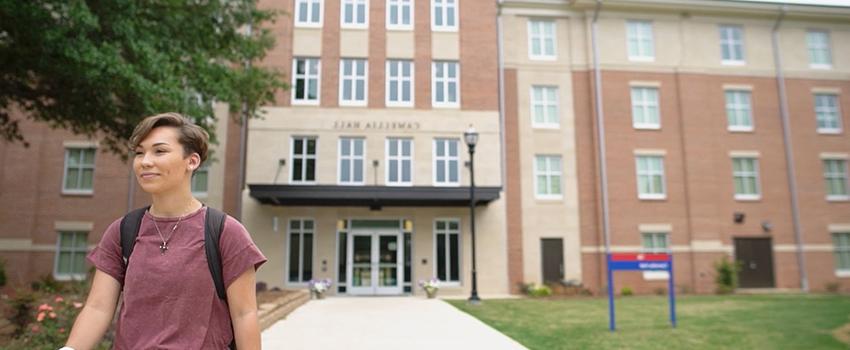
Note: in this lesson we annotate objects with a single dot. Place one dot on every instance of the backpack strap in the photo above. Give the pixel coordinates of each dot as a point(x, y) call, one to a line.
point(213, 226)
point(129, 229)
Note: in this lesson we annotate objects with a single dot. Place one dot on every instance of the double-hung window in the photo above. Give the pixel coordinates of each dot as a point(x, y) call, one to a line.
point(200, 181)
point(400, 14)
point(303, 160)
point(300, 245)
point(79, 171)
point(399, 162)
point(827, 113)
point(645, 113)
point(650, 177)
point(841, 240)
point(351, 161)
point(739, 110)
point(447, 250)
point(655, 243)
point(446, 162)
point(547, 177)
point(444, 15)
point(305, 81)
point(308, 13)
point(541, 40)
point(355, 14)
point(71, 256)
point(732, 44)
point(399, 83)
point(639, 40)
point(352, 81)
point(746, 176)
point(835, 176)
point(445, 83)
point(820, 55)
point(544, 107)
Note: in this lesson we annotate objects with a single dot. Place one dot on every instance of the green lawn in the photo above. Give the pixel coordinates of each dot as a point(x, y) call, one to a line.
point(704, 322)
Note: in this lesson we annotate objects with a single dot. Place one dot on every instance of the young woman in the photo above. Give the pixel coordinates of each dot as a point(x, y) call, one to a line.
point(169, 299)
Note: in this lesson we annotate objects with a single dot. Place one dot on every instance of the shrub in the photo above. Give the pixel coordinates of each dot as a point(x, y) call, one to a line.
point(627, 291)
point(727, 276)
point(832, 287)
point(660, 291)
point(2, 272)
point(48, 324)
point(537, 290)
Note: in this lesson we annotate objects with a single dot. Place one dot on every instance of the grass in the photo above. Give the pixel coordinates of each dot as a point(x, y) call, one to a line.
point(704, 322)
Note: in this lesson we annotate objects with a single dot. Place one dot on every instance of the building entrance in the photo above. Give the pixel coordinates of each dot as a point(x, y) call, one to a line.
point(375, 262)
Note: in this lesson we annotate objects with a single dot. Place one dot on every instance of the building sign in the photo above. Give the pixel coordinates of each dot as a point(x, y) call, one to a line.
point(640, 262)
point(375, 125)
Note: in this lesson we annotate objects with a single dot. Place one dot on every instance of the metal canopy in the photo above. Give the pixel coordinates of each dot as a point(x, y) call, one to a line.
point(373, 197)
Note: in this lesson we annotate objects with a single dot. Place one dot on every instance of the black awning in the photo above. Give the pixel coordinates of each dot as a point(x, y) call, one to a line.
point(373, 197)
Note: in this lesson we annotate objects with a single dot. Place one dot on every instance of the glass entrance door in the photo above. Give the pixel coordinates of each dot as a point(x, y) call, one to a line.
point(375, 263)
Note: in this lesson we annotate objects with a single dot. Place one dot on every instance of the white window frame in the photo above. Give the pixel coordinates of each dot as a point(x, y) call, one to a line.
point(549, 174)
point(836, 111)
point(839, 249)
point(543, 56)
point(307, 78)
point(352, 158)
point(73, 250)
point(655, 275)
point(400, 159)
point(545, 104)
point(650, 173)
point(203, 169)
point(738, 105)
point(837, 175)
point(448, 159)
point(634, 31)
point(400, 80)
point(444, 9)
point(80, 169)
point(308, 23)
point(305, 156)
point(301, 231)
point(645, 103)
point(449, 232)
point(810, 46)
point(447, 82)
point(755, 174)
point(354, 5)
point(401, 4)
point(731, 43)
point(354, 78)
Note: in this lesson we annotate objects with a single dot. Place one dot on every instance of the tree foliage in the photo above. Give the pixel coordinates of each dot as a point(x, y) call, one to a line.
point(96, 67)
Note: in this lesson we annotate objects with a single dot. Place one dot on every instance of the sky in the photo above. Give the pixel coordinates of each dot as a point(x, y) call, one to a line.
point(808, 2)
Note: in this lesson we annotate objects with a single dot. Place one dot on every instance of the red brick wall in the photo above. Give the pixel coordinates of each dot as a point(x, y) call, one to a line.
point(479, 73)
point(513, 183)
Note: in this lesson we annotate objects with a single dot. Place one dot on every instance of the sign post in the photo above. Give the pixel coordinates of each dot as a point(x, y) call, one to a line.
point(640, 262)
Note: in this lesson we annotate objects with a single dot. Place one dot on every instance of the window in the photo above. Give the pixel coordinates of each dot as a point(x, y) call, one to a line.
point(447, 246)
point(444, 15)
point(639, 38)
point(400, 14)
point(544, 107)
point(841, 240)
point(305, 81)
point(71, 256)
point(739, 110)
point(79, 171)
point(445, 80)
point(541, 40)
point(547, 175)
point(446, 162)
point(645, 108)
point(400, 83)
point(399, 162)
point(745, 174)
point(650, 177)
point(355, 14)
point(300, 251)
point(820, 55)
point(732, 44)
point(827, 113)
point(352, 81)
point(654, 242)
point(835, 175)
point(200, 181)
point(308, 13)
point(303, 160)
point(351, 160)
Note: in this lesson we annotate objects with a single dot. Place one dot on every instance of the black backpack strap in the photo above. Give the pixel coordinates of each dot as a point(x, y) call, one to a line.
point(213, 226)
point(130, 224)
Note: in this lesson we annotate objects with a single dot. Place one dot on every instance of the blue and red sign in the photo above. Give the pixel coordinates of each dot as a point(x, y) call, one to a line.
point(640, 262)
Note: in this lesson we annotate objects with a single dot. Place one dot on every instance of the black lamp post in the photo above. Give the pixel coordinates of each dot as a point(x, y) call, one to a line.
point(471, 138)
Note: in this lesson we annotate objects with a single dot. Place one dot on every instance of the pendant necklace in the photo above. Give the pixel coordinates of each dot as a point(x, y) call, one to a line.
point(164, 246)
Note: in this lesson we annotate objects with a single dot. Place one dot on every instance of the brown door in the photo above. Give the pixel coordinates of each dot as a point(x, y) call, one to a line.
point(755, 256)
point(553, 259)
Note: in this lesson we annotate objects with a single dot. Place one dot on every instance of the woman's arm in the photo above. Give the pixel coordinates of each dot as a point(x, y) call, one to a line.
point(97, 313)
point(242, 300)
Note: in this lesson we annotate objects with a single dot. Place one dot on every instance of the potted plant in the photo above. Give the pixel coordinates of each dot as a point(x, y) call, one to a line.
point(431, 287)
point(319, 287)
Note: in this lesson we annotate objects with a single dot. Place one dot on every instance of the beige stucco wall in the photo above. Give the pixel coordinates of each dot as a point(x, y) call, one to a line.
point(307, 42)
point(354, 43)
point(400, 44)
point(445, 46)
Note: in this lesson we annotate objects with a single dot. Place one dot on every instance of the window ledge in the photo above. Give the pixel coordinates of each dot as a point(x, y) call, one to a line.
point(642, 58)
point(820, 66)
point(838, 198)
point(544, 198)
point(398, 104)
point(302, 182)
point(354, 26)
point(646, 127)
point(444, 29)
point(648, 197)
point(78, 193)
point(747, 198)
point(546, 126)
point(353, 103)
point(400, 28)
point(829, 131)
point(307, 25)
point(543, 58)
point(842, 273)
point(304, 102)
point(740, 129)
point(70, 277)
point(455, 105)
point(733, 63)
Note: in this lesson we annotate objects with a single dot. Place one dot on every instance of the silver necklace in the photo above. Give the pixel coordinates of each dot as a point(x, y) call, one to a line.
point(164, 246)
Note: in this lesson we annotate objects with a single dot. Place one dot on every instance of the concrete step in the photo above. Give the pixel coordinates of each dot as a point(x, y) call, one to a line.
point(270, 313)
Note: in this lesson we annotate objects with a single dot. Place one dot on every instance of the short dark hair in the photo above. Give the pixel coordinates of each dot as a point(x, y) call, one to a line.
point(192, 137)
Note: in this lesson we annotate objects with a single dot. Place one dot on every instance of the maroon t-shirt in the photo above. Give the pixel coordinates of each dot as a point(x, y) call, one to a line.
point(169, 301)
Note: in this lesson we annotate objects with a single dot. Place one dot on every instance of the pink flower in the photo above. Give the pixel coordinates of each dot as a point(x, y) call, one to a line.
point(59, 299)
point(40, 316)
point(35, 329)
point(52, 314)
point(61, 330)
point(44, 307)
point(78, 305)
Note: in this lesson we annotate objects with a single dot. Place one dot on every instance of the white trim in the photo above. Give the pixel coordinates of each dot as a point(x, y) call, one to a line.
point(354, 79)
point(640, 57)
point(826, 90)
point(834, 155)
point(737, 103)
point(842, 273)
point(549, 173)
point(400, 158)
point(737, 128)
point(744, 154)
point(315, 157)
point(644, 103)
point(448, 159)
point(446, 81)
point(80, 168)
point(838, 128)
point(74, 251)
point(401, 80)
point(444, 27)
point(460, 236)
point(645, 84)
point(649, 152)
point(343, 25)
point(309, 24)
point(288, 240)
point(745, 87)
point(827, 48)
point(650, 174)
point(838, 228)
point(306, 102)
point(352, 158)
point(79, 144)
point(652, 228)
point(73, 225)
point(542, 56)
point(730, 42)
point(545, 104)
point(405, 27)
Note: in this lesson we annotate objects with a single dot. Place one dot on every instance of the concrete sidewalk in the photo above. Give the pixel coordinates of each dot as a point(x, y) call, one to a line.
point(382, 323)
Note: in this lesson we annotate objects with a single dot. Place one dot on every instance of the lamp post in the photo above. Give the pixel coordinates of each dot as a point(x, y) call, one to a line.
point(471, 138)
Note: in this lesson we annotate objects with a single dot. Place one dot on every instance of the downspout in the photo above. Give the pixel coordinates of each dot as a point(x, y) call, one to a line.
point(600, 121)
point(500, 64)
point(789, 156)
point(243, 137)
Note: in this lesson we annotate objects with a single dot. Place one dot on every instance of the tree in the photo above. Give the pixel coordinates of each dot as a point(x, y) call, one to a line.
point(96, 67)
